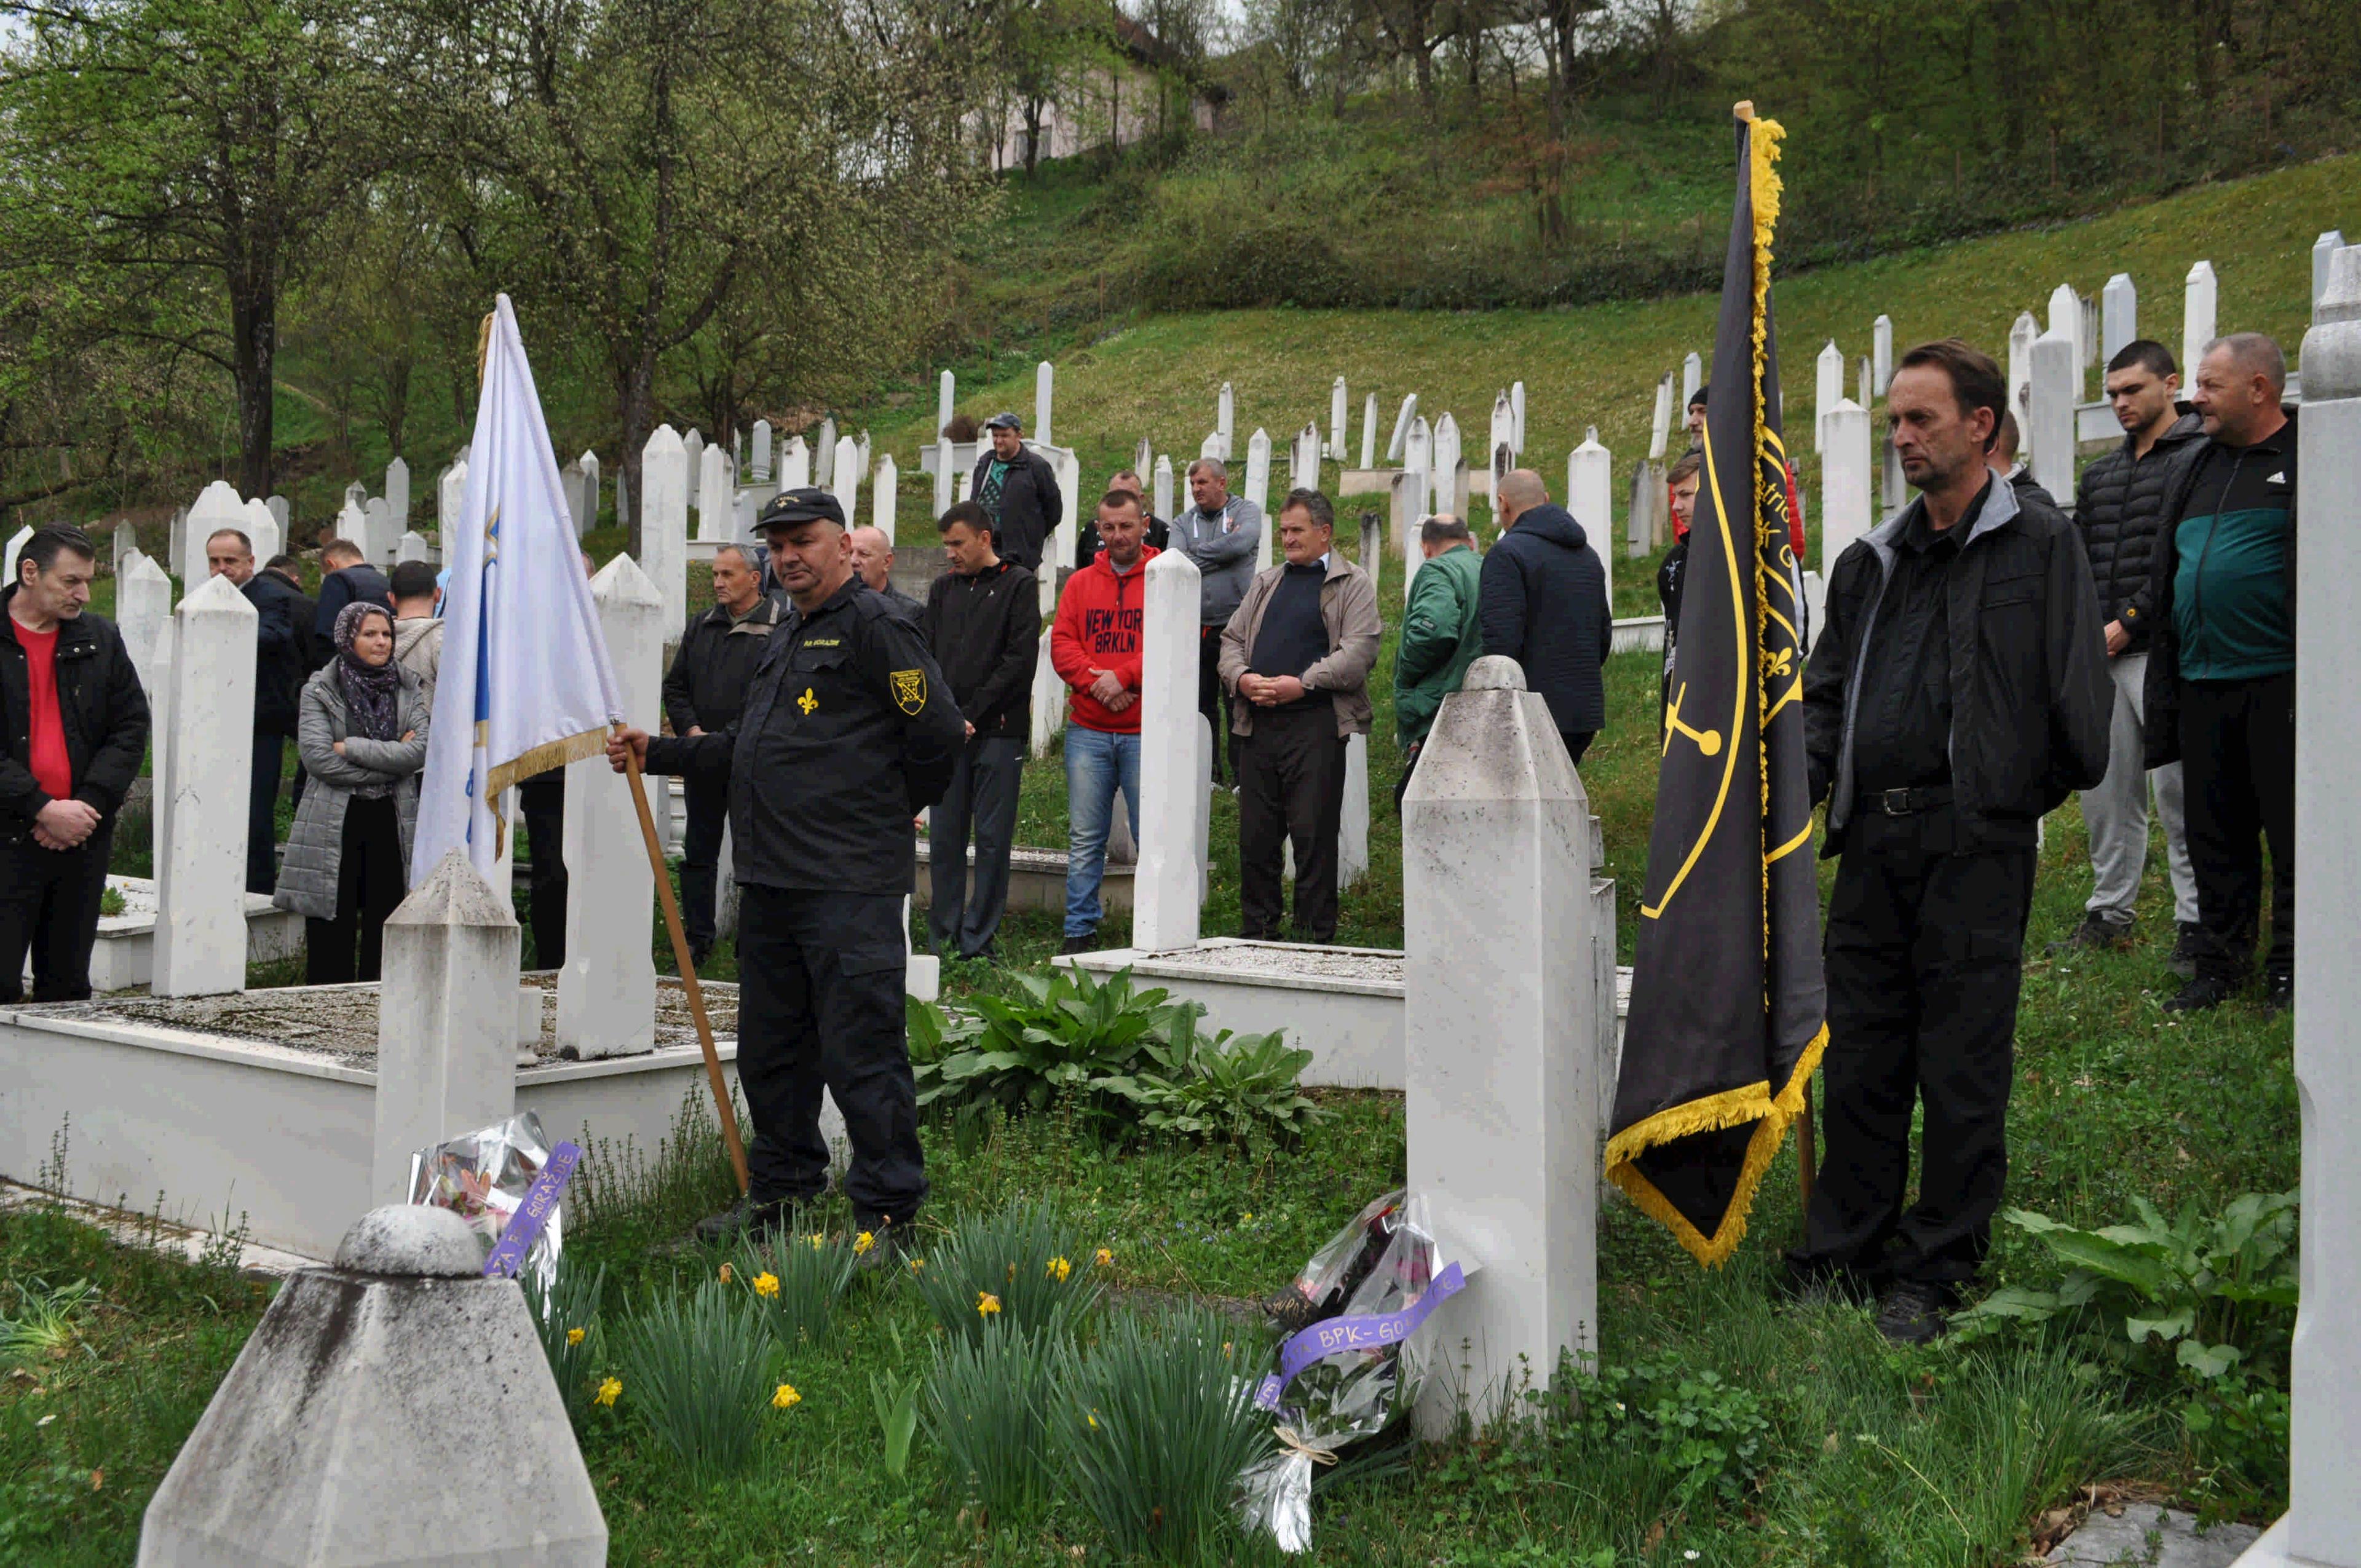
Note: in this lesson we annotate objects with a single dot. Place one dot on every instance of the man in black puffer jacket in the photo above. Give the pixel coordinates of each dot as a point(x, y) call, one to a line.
point(2118, 508)
point(1541, 600)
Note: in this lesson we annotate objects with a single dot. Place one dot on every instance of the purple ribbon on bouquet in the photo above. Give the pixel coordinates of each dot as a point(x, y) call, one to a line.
point(540, 1202)
point(1367, 1332)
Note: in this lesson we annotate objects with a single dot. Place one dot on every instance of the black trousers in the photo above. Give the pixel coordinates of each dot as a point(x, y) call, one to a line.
point(1925, 953)
point(1577, 741)
point(262, 814)
point(48, 907)
point(1291, 786)
point(701, 860)
point(982, 795)
point(371, 882)
point(543, 798)
point(2237, 751)
point(1211, 701)
point(821, 1004)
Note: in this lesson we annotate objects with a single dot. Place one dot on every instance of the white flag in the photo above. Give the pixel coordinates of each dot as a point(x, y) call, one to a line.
point(524, 684)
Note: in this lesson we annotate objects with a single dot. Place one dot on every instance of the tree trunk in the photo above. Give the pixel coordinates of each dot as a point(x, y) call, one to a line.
point(635, 400)
point(254, 326)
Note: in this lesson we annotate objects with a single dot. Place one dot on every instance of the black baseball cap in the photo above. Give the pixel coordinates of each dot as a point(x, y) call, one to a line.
point(1004, 422)
point(807, 505)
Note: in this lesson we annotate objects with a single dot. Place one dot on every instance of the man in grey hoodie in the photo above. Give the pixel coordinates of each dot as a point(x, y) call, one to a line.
point(1223, 534)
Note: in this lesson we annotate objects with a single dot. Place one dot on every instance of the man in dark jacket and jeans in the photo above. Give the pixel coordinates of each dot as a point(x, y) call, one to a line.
point(983, 621)
point(282, 646)
point(2221, 671)
point(74, 723)
point(1542, 600)
point(1958, 692)
point(1018, 490)
point(702, 693)
point(2118, 508)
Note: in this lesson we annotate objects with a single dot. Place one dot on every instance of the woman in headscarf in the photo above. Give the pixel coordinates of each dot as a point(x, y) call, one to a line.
point(361, 728)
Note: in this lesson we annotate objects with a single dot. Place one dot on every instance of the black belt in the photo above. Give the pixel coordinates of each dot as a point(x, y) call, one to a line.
point(1907, 802)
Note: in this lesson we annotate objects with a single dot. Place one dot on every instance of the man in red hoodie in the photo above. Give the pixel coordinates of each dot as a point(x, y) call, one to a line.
point(1094, 646)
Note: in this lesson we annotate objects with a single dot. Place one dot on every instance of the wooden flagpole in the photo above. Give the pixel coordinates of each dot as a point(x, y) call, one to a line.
point(722, 1105)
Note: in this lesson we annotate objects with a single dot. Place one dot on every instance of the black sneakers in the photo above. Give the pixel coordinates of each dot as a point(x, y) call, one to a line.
point(2279, 994)
point(1913, 1313)
point(2098, 931)
point(1085, 943)
point(2185, 948)
point(747, 1215)
point(2202, 994)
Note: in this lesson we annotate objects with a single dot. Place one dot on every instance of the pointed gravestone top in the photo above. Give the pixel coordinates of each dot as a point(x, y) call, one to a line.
point(454, 894)
point(413, 1239)
point(2331, 349)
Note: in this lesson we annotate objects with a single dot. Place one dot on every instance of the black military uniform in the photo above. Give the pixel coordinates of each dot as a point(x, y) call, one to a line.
point(703, 690)
point(847, 731)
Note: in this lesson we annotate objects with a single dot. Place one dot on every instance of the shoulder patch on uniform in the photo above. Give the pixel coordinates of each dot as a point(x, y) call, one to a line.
point(910, 691)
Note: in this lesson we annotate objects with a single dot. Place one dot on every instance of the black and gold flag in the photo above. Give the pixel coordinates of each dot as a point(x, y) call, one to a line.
point(1728, 1014)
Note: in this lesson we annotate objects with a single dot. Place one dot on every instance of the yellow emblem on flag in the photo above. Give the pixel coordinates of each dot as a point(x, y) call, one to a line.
point(807, 702)
point(910, 691)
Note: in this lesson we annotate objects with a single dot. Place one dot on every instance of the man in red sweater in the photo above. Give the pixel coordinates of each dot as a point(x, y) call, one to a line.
point(1094, 647)
point(73, 728)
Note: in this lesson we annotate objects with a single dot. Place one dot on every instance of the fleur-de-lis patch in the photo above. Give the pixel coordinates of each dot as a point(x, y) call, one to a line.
point(807, 702)
point(910, 691)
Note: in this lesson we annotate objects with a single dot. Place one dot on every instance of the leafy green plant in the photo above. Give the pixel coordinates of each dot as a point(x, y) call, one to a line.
point(47, 1322)
point(896, 1401)
point(1023, 1267)
point(808, 1272)
point(111, 903)
point(1714, 1434)
point(1246, 1088)
point(1153, 1424)
point(1074, 1032)
point(697, 1368)
point(564, 1308)
point(988, 1406)
point(2217, 1289)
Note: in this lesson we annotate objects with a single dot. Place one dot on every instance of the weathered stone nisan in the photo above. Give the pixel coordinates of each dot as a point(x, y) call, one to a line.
point(1166, 888)
point(207, 770)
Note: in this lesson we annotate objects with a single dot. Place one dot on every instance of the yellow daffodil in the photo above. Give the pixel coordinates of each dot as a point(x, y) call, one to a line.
point(916, 1264)
point(574, 1337)
point(1060, 1268)
point(1091, 1419)
point(863, 1243)
point(609, 1391)
point(986, 1303)
point(1103, 1257)
point(787, 1397)
point(817, 1241)
point(727, 1274)
point(766, 1284)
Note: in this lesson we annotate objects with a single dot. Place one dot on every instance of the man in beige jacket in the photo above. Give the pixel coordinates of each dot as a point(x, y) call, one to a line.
point(1295, 662)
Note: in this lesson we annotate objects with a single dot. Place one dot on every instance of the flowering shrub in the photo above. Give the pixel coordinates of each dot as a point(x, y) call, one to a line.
point(800, 1278)
point(701, 1371)
point(1004, 1271)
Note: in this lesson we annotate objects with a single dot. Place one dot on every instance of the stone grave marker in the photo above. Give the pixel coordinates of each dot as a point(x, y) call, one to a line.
point(329, 1440)
point(411, 546)
point(143, 603)
point(946, 478)
point(2050, 435)
point(1166, 889)
point(1447, 490)
point(125, 540)
point(716, 510)
point(1418, 458)
point(356, 493)
point(381, 531)
point(1827, 391)
point(1881, 352)
point(1353, 826)
point(176, 538)
point(17, 543)
point(397, 492)
point(2118, 315)
point(692, 446)
point(845, 479)
point(1164, 487)
point(2066, 321)
point(216, 507)
point(352, 525)
point(1226, 419)
point(759, 467)
point(2323, 251)
point(861, 449)
point(1045, 380)
point(1660, 424)
point(1369, 431)
point(1868, 398)
point(1640, 519)
point(946, 400)
point(1337, 405)
point(1143, 458)
point(569, 480)
point(2021, 336)
point(281, 509)
point(589, 461)
point(1256, 491)
point(1590, 496)
point(451, 495)
point(1402, 420)
point(1845, 511)
point(207, 769)
point(607, 992)
point(1502, 1120)
point(261, 530)
point(885, 502)
point(1894, 485)
point(1517, 409)
point(664, 520)
point(1501, 452)
point(1303, 460)
point(1373, 549)
point(1692, 377)
point(795, 464)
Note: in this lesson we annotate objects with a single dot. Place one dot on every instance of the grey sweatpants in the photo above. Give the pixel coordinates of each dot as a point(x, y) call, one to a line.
point(2116, 812)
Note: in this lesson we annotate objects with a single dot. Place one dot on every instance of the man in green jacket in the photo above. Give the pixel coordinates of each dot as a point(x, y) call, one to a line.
point(1441, 634)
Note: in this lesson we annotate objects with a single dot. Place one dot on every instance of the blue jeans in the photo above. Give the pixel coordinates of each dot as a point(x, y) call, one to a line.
point(1098, 763)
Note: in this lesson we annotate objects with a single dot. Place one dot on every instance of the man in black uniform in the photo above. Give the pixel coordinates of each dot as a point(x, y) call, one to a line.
point(1958, 693)
point(847, 732)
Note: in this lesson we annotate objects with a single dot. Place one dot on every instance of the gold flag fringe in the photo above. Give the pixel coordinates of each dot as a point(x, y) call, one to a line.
point(547, 755)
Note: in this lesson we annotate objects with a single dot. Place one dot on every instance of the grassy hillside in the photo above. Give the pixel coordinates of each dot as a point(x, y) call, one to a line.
point(1599, 364)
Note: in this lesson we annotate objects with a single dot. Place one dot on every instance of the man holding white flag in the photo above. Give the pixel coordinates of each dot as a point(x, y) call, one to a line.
point(525, 684)
point(847, 730)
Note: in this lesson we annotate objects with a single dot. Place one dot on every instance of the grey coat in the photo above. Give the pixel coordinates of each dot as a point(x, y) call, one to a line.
point(307, 881)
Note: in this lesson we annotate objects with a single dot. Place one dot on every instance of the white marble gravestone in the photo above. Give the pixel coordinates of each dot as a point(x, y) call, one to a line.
point(329, 1441)
point(795, 464)
point(262, 531)
point(716, 510)
point(1257, 490)
point(1881, 354)
point(2200, 298)
point(2323, 251)
point(447, 1018)
point(589, 461)
point(1502, 1119)
point(1692, 377)
point(1164, 487)
point(569, 480)
point(1501, 447)
point(17, 541)
point(397, 492)
point(845, 479)
point(607, 992)
point(2066, 321)
point(1403, 417)
point(1166, 889)
point(411, 546)
point(946, 400)
point(1303, 459)
point(208, 764)
point(1353, 826)
point(2322, 1526)
point(123, 540)
point(1413, 507)
point(216, 507)
point(143, 603)
point(451, 495)
point(1369, 431)
point(692, 447)
point(824, 456)
point(664, 520)
point(352, 526)
point(946, 478)
point(1846, 513)
point(1225, 419)
point(2021, 336)
point(1590, 496)
point(2118, 315)
point(1337, 405)
point(759, 465)
point(1446, 492)
point(282, 510)
point(1827, 391)
point(2050, 435)
point(381, 531)
point(884, 502)
point(1045, 388)
point(1517, 407)
point(1660, 422)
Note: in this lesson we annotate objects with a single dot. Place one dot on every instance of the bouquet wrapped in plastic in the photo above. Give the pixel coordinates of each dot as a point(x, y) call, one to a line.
point(1350, 1369)
point(483, 1177)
